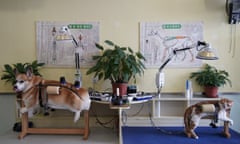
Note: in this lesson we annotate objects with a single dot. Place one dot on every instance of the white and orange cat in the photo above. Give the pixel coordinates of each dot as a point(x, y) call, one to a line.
point(217, 110)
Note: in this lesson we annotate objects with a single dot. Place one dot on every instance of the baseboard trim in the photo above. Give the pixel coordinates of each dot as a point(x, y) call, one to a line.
point(67, 122)
point(162, 121)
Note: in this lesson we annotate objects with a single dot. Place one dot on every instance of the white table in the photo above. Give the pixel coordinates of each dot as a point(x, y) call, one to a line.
point(120, 109)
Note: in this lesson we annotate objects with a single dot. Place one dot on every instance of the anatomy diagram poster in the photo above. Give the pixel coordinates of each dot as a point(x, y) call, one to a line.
point(158, 40)
point(58, 43)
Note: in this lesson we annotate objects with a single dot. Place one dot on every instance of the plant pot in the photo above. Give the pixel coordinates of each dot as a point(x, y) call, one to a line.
point(122, 88)
point(211, 91)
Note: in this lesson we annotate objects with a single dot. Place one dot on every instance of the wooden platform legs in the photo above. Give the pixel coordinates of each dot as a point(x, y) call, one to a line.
point(82, 131)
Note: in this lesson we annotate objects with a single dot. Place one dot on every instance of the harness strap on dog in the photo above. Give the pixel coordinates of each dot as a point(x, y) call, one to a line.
point(72, 89)
point(43, 98)
point(40, 96)
point(208, 108)
point(43, 94)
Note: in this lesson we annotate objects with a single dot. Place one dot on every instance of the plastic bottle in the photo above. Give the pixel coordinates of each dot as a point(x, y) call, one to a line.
point(188, 89)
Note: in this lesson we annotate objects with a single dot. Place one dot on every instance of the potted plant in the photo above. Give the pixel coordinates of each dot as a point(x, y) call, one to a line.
point(211, 78)
point(9, 70)
point(118, 64)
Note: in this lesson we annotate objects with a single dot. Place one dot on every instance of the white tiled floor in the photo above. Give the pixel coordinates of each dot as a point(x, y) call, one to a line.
point(98, 135)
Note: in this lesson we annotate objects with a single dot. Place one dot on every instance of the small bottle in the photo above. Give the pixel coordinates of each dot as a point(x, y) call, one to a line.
point(187, 89)
point(190, 90)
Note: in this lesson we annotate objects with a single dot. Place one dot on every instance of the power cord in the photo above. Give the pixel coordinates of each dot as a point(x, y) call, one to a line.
point(125, 116)
point(104, 124)
point(162, 129)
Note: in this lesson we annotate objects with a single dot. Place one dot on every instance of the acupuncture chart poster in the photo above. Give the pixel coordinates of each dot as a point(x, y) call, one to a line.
point(61, 53)
point(158, 40)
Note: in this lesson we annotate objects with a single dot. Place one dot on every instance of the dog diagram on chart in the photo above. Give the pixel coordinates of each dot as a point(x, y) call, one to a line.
point(58, 42)
point(158, 40)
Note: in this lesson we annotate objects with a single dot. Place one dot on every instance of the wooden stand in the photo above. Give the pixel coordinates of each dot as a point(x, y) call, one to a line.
point(26, 130)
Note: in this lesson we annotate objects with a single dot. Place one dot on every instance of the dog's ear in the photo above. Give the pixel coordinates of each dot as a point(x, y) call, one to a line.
point(29, 72)
point(16, 72)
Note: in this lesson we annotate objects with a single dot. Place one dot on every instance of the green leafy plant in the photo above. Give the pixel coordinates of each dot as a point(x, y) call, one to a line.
point(211, 76)
point(9, 70)
point(118, 64)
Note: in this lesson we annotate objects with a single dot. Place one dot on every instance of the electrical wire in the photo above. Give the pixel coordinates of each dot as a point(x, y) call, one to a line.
point(160, 128)
point(125, 116)
point(104, 124)
point(233, 42)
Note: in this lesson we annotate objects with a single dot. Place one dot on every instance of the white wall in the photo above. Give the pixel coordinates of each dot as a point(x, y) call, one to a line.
point(119, 22)
point(7, 111)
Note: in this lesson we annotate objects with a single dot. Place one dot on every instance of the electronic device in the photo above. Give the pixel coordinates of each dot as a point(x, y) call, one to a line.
point(233, 11)
point(119, 100)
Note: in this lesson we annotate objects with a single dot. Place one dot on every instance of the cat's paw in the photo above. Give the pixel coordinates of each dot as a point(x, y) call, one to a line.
point(196, 137)
point(231, 122)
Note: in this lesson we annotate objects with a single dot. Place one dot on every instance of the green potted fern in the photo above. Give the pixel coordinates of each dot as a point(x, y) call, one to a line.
point(210, 78)
point(117, 64)
point(9, 70)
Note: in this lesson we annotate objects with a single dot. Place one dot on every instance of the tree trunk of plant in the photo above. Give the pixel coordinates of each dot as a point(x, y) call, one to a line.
point(211, 91)
point(122, 88)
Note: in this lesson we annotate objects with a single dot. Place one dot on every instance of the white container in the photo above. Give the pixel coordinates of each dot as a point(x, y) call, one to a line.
point(188, 89)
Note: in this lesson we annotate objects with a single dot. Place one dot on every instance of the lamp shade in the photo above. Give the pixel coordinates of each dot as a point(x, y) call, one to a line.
point(207, 53)
point(61, 37)
point(63, 34)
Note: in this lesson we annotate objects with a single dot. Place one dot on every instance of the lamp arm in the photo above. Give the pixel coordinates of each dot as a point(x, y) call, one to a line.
point(165, 63)
point(75, 43)
point(160, 78)
point(183, 49)
point(175, 51)
point(200, 43)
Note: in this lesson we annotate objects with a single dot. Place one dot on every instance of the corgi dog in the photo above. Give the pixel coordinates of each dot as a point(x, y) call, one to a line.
point(33, 91)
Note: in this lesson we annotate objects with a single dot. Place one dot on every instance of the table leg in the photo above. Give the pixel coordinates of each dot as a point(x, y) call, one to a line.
point(120, 125)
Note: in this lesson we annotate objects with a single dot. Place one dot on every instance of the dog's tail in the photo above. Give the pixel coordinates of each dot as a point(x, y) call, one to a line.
point(77, 116)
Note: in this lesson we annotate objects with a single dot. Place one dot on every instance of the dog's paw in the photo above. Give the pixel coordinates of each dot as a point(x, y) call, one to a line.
point(23, 110)
point(46, 114)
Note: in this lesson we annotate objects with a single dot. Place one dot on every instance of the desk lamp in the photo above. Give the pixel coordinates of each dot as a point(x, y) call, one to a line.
point(205, 52)
point(65, 34)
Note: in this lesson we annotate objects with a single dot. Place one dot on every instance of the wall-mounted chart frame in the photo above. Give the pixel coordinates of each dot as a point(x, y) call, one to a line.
point(158, 40)
point(55, 52)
